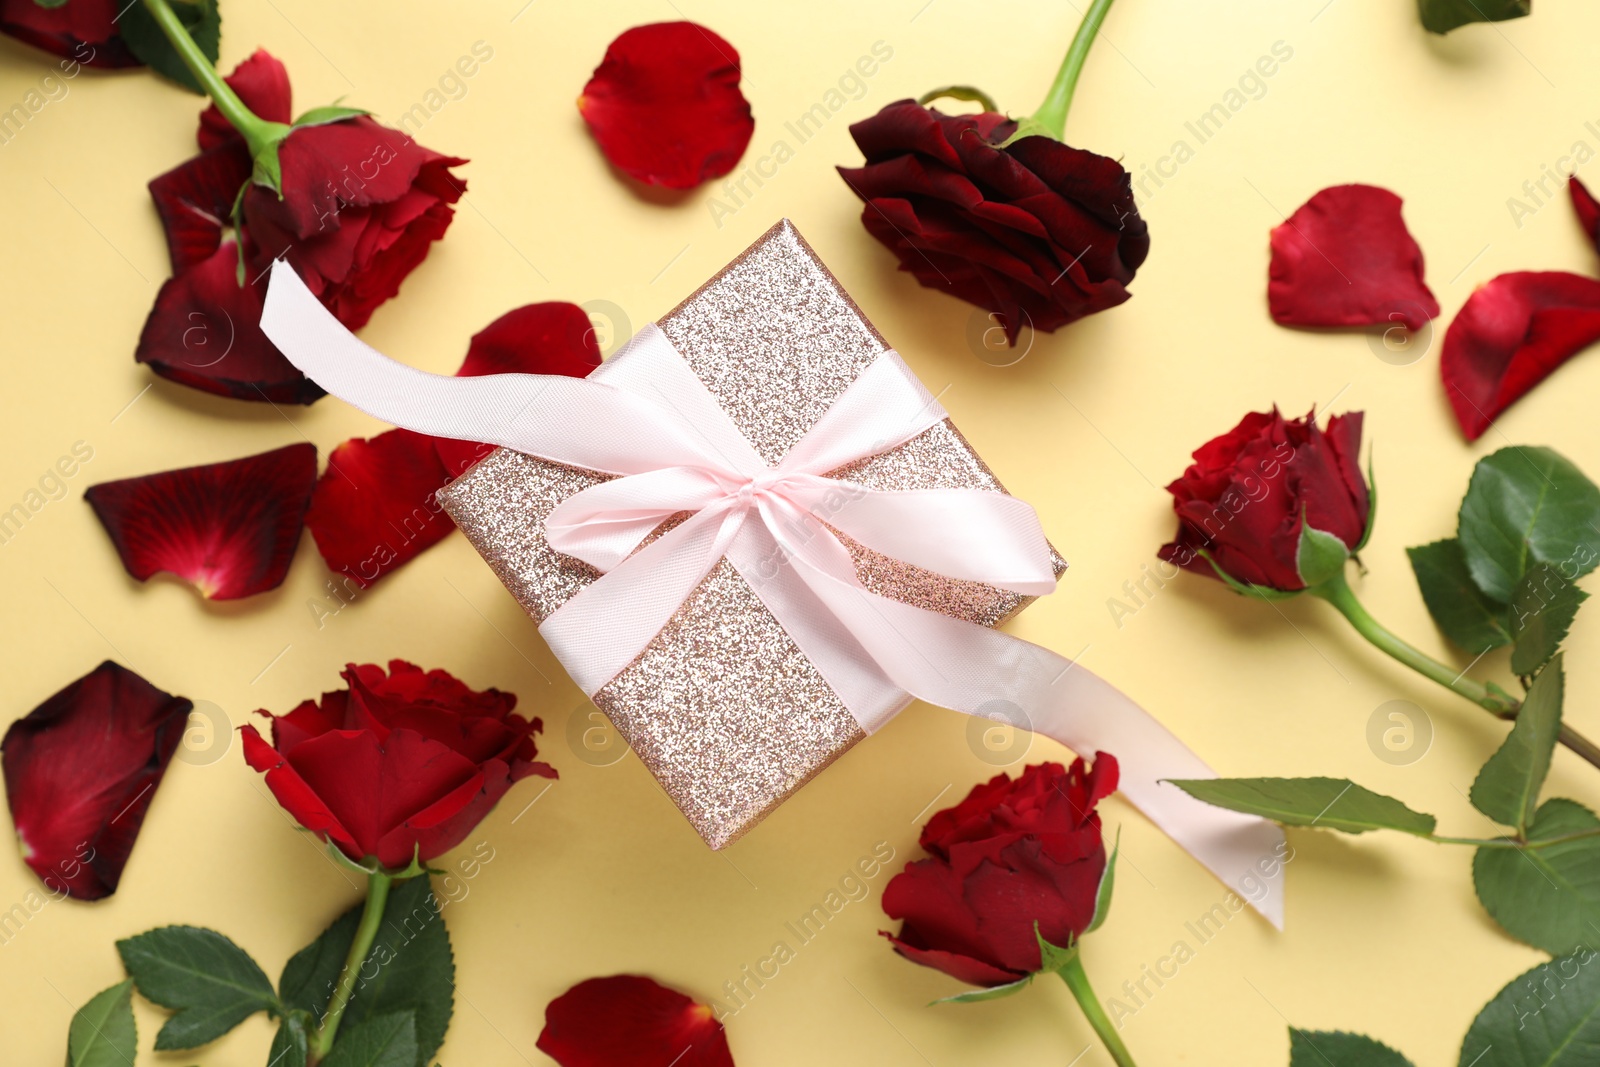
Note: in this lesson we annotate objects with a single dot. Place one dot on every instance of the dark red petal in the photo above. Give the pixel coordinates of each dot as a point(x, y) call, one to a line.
point(1587, 208)
point(1345, 258)
point(205, 332)
point(962, 968)
point(84, 31)
point(80, 772)
point(229, 528)
point(374, 507)
point(1510, 335)
point(263, 84)
point(550, 338)
point(298, 798)
point(627, 1020)
point(665, 107)
point(195, 199)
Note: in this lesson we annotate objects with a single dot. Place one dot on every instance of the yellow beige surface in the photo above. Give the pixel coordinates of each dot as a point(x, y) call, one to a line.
point(601, 875)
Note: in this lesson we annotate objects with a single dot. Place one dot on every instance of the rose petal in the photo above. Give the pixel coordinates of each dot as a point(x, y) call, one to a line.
point(84, 31)
point(205, 332)
point(195, 199)
point(230, 529)
point(665, 107)
point(298, 798)
point(1587, 208)
point(627, 1020)
point(962, 968)
point(374, 509)
point(1509, 336)
point(263, 84)
point(81, 770)
point(1345, 258)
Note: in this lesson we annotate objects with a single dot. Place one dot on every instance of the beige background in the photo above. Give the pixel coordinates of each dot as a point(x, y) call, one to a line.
point(602, 875)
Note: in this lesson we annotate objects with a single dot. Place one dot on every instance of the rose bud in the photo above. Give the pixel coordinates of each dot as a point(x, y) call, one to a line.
point(1013, 857)
point(399, 766)
point(1274, 505)
point(999, 212)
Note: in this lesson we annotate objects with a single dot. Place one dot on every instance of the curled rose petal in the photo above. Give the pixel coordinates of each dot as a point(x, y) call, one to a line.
point(374, 507)
point(1345, 258)
point(628, 1020)
point(229, 528)
point(1588, 210)
point(665, 106)
point(194, 200)
point(1510, 335)
point(263, 84)
point(81, 770)
point(83, 31)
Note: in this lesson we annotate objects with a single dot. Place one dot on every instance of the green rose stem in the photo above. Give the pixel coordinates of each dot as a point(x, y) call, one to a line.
point(258, 133)
point(1050, 120)
point(1337, 592)
point(1078, 981)
point(378, 885)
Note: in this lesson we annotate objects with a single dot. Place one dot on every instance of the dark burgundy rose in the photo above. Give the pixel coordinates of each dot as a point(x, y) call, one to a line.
point(83, 31)
point(1012, 854)
point(1036, 232)
point(400, 764)
point(360, 205)
point(1248, 495)
point(628, 1020)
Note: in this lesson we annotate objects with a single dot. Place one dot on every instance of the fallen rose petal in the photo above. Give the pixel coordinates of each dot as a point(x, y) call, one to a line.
point(550, 338)
point(194, 200)
point(374, 509)
point(1587, 208)
point(263, 84)
point(628, 1020)
point(83, 31)
point(1510, 335)
point(1345, 258)
point(229, 528)
point(81, 770)
point(665, 107)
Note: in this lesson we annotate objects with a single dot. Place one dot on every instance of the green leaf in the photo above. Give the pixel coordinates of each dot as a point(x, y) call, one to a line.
point(1327, 803)
point(1548, 1017)
point(321, 116)
point(102, 1033)
point(1542, 610)
point(1335, 1048)
point(973, 996)
point(1053, 957)
point(410, 968)
point(1320, 556)
point(1442, 16)
point(1102, 895)
point(1549, 896)
point(1463, 614)
point(291, 1046)
point(382, 1041)
point(210, 982)
point(1507, 788)
point(1528, 505)
point(143, 36)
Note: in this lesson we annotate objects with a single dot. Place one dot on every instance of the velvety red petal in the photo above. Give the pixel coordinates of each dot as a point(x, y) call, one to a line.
point(229, 528)
point(962, 968)
point(1345, 258)
point(195, 199)
point(81, 770)
point(628, 1020)
point(298, 798)
point(263, 84)
point(665, 107)
point(1509, 336)
point(1587, 208)
point(374, 509)
point(549, 338)
point(205, 332)
point(83, 31)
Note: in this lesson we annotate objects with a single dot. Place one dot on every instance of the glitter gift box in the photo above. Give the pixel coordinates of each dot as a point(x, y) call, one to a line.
point(722, 707)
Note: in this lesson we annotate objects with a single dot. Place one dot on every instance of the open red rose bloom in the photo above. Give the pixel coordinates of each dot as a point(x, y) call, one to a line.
point(1248, 494)
point(1012, 854)
point(361, 203)
point(81, 770)
point(402, 764)
point(630, 1021)
point(1036, 232)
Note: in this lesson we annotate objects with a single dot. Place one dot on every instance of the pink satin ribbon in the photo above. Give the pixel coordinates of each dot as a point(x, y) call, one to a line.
point(647, 418)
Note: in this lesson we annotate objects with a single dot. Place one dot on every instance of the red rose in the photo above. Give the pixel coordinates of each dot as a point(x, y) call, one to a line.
point(1036, 232)
point(1012, 854)
point(1254, 498)
point(84, 31)
point(399, 765)
point(360, 205)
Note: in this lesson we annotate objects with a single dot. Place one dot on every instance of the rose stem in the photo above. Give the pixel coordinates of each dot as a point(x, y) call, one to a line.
point(1078, 981)
point(1337, 592)
point(321, 1042)
point(257, 132)
point(1052, 114)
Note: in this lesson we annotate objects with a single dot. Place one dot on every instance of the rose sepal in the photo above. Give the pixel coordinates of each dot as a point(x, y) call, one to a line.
point(1260, 592)
point(370, 865)
point(1320, 556)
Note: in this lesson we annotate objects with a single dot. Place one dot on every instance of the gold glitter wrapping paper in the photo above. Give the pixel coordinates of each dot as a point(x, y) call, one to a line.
point(722, 707)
